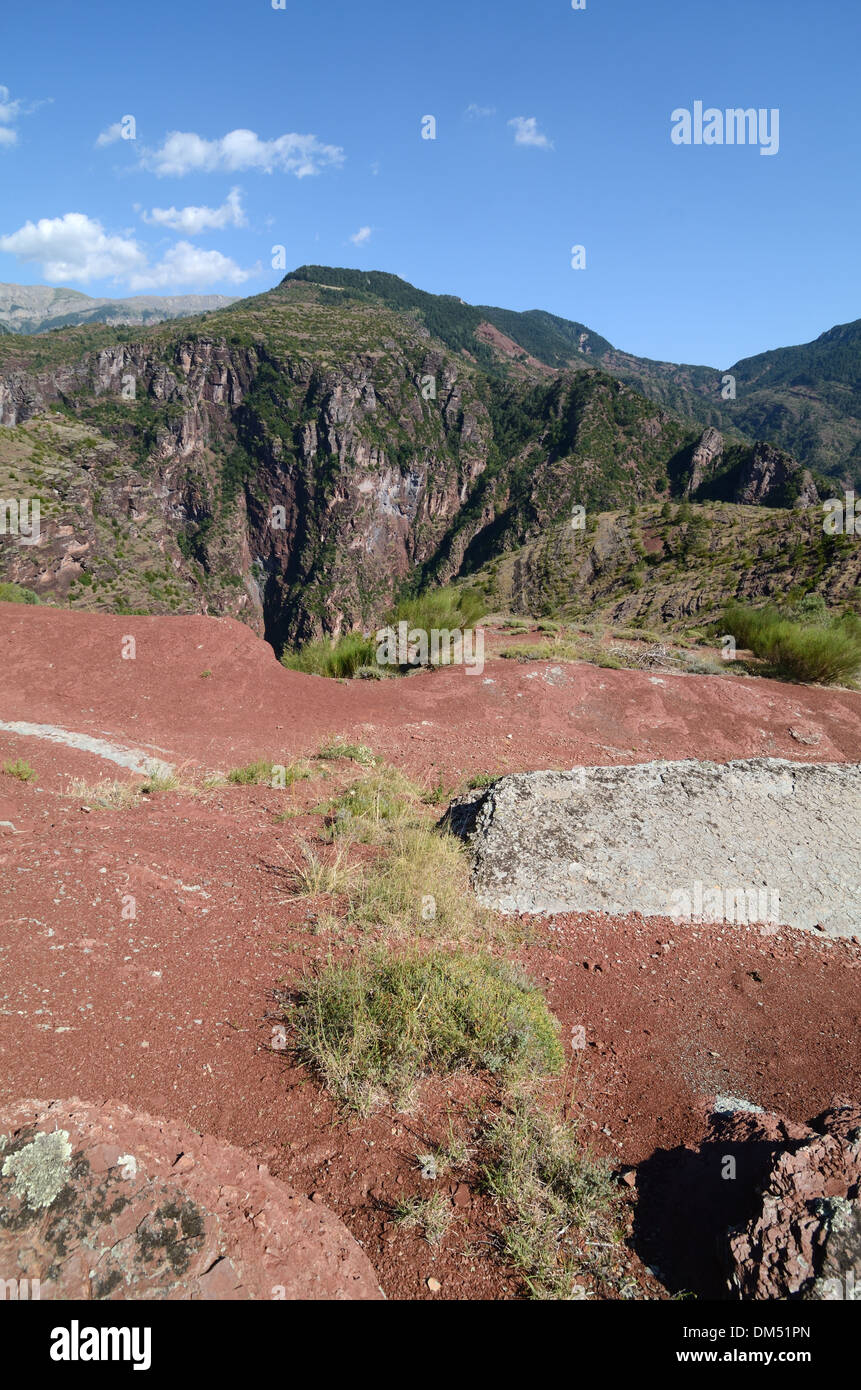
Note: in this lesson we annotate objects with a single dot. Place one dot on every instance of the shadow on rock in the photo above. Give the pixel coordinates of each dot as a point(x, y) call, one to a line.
point(689, 1198)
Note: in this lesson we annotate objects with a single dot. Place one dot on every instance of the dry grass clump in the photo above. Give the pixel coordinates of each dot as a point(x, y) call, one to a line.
point(561, 1205)
point(108, 792)
point(311, 873)
point(371, 809)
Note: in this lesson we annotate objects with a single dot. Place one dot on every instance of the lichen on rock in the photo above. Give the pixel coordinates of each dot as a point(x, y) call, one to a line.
point(40, 1170)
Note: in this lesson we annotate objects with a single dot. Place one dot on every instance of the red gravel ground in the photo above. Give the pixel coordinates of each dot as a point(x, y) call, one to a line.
point(173, 1012)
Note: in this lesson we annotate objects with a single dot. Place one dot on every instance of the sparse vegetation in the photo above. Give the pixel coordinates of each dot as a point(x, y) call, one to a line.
point(371, 809)
point(311, 873)
point(16, 593)
point(372, 1028)
point(444, 609)
point(437, 794)
point(543, 651)
point(263, 773)
point(337, 749)
point(817, 650)
point(120, 795)
point(433, 1215)
point(21, 770)
point(559, 1203)
point(420, 886)
point(254, 774)
point(355, 656)
point(340, 660)
point(160, 779)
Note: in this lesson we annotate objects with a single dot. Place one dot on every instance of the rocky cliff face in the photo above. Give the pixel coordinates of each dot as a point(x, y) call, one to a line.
point(289, 494)
point(292, 464)
point(706, 456)
point(757, 475)
point(660, 567)
point(769, 474)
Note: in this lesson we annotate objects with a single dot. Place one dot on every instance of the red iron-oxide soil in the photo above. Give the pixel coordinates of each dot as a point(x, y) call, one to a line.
point(176, 1011)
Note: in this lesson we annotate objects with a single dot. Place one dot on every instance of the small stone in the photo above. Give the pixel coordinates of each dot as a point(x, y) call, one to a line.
point(433, 1284)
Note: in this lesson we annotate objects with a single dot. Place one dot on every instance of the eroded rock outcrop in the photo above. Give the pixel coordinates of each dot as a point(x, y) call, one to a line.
point(773, 477)
point(705, 459)
point(748, 842)
point(805, 1242)
point(100, 1202)
point(293, 462)
point(292, 494)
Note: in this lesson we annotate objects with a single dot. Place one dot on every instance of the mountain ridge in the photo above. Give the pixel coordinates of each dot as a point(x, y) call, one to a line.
point(33, 309)
point(391, 457)
point(816, 417)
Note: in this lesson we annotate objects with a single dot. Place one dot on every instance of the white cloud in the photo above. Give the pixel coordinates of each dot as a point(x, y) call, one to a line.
point(184, 152)
point(194, 220)
point(77, 248)
point(74, 247)
point(479, 112)
point(112, 134)
point(9, 112)
point(361, 236)
point(526, 132)
point(185, 264)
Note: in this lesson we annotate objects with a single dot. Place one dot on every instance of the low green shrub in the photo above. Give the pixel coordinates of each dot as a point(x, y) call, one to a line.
point(16, 593)
point(355, 656)
point(373, 1027)
point(812, 650)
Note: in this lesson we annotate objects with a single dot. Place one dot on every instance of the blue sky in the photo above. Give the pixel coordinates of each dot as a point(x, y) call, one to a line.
point(553, 130)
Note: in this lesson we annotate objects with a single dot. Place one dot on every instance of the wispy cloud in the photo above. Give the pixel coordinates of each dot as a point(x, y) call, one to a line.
point(111, 135)
point(526, 132)
point(479, 113)
point(9, 109)
point(361, 236)
point(184, 152)
point(9, 112)
point(77, 248)
point(194, 220)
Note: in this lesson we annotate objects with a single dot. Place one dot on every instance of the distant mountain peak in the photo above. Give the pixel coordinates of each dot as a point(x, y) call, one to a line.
point(41, 308)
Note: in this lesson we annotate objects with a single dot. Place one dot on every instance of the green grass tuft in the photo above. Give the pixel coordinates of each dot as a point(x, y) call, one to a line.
point(337, 749)
point(355, 656)
point(20, 769)
point(371, 809)
point(373, 1028)
point(340, 660)
point(431, 1215)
